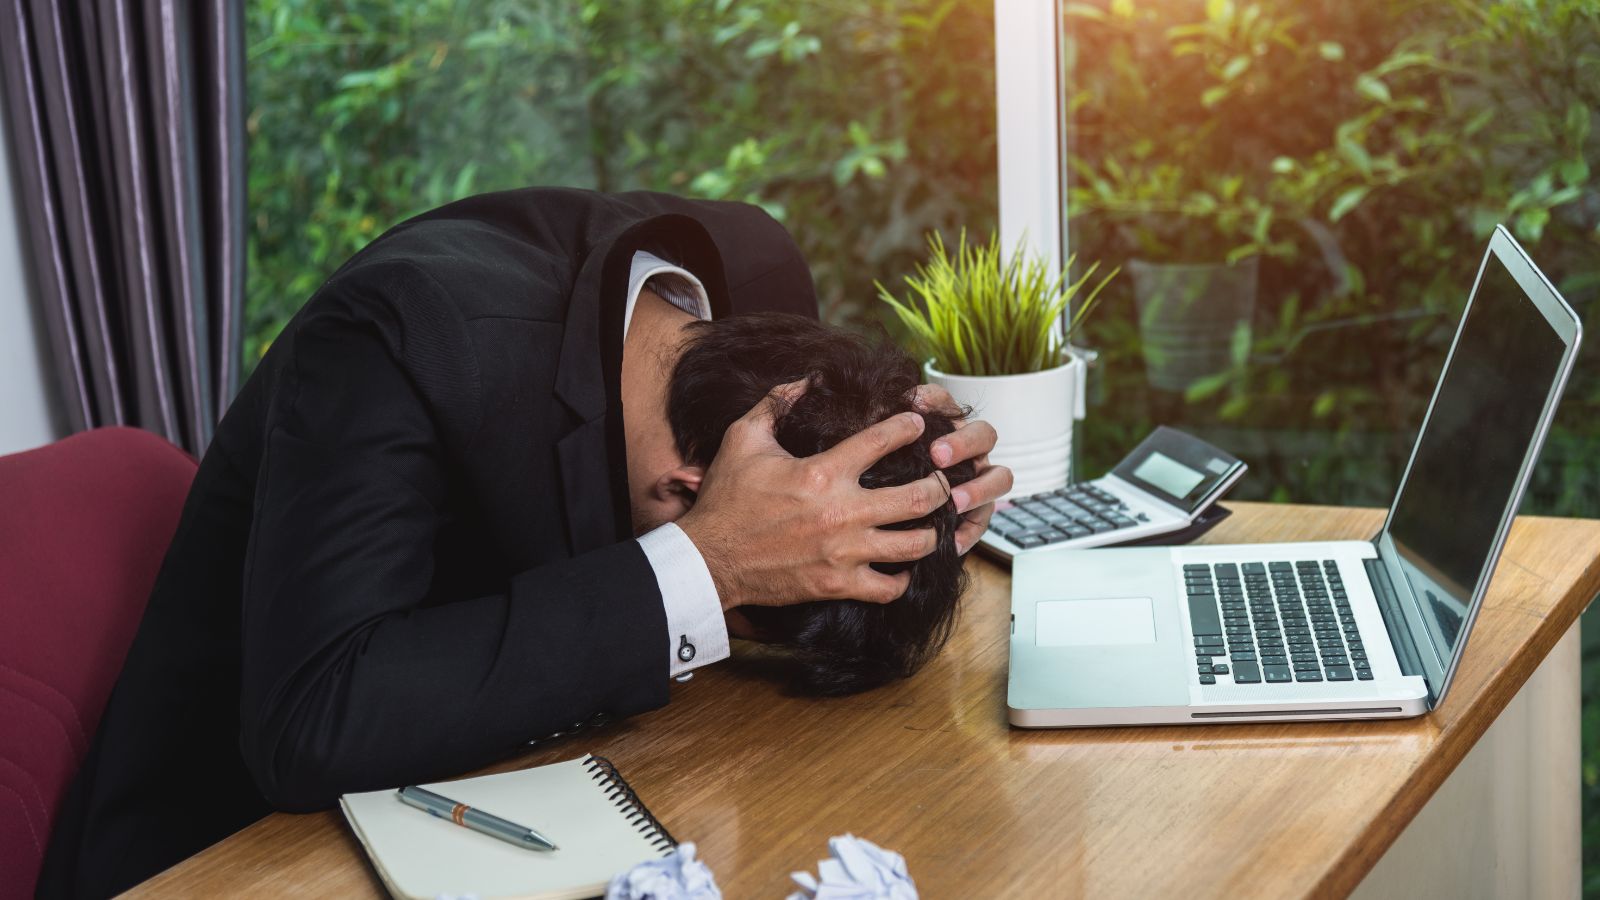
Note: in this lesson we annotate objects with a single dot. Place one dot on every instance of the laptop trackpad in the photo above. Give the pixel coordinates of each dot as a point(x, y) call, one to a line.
point(1085, 623)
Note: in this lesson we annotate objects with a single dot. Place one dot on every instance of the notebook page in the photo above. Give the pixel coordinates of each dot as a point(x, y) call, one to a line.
point(421, 856)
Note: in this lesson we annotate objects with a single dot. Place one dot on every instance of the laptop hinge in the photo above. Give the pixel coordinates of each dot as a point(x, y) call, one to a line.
point(1394, 618)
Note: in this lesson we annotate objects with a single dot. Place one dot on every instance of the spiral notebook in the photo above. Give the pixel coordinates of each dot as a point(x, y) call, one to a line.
point(584, 805)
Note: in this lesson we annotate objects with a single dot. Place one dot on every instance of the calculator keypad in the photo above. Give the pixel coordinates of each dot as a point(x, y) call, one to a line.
point(1075, 511)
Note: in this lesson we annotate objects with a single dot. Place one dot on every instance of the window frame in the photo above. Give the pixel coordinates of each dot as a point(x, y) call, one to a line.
point(1030, 129)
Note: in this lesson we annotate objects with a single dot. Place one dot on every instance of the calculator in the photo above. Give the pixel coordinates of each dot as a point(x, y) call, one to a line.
point(1167, 484)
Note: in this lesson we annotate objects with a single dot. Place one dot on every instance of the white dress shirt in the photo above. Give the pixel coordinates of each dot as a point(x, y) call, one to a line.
point(695, 627)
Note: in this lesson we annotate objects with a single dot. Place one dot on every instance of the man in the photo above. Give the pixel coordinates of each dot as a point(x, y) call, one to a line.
point(436, 523)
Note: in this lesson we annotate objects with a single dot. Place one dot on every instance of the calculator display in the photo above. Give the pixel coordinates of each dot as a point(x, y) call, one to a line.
point(1182, 470)
point(1168, 474)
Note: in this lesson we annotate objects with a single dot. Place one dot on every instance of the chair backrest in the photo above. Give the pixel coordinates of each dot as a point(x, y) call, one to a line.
point(84, 524)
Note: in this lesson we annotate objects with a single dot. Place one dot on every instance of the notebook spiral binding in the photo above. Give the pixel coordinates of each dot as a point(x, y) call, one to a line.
point(638, 815)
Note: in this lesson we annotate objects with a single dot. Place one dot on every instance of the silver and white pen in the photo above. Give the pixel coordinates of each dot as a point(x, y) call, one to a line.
point(475, 819)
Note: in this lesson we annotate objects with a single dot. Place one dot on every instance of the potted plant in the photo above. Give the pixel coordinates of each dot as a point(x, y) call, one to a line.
point(994, 334)
point(1194, 317)
point(1194, 248)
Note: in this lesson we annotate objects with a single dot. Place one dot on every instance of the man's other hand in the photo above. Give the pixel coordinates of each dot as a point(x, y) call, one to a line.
point(971, 440)
point(775, 529)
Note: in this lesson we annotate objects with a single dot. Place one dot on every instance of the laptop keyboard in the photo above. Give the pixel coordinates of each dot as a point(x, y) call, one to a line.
point(1274, 622)
point(1075, 511)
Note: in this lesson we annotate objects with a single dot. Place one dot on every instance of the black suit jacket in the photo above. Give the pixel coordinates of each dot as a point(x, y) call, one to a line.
point(408, 550)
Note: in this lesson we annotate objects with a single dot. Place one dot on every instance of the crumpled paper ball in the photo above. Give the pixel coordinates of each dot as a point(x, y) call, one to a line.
point(859, 870)
point(677, 876)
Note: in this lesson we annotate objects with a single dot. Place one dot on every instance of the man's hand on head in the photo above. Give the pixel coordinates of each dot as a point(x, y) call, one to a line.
point(971, 440)
point(775, 529)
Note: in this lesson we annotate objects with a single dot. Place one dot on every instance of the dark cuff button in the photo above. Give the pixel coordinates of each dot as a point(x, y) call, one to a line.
point(685, 649)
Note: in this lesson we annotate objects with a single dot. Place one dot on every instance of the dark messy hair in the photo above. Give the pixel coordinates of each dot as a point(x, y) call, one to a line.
point(726, 368)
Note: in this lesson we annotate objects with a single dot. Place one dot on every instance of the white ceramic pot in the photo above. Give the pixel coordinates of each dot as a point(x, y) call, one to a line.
point(1033, 416)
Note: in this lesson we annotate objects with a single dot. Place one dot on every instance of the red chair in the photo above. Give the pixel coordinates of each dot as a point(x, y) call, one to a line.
point(84, 524)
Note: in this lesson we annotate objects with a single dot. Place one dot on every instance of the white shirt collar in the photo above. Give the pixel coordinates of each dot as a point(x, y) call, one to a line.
point(673, 284)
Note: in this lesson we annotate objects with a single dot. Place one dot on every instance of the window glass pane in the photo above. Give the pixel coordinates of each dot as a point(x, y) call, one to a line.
point(1299, 193)
point(861, 126)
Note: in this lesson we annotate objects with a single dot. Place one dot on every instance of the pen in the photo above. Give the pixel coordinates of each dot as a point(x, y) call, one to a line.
point(475, 819)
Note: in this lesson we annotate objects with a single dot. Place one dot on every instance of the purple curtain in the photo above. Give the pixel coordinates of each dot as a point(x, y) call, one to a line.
point(126, 119)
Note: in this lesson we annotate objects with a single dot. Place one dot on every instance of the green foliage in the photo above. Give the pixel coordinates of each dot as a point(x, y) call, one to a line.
point(981, 315)
point(1364, 151)
point(828, 114)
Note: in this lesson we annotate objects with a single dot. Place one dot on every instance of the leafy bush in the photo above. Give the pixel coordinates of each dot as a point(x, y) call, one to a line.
point(1364, 151)
point(861, 126)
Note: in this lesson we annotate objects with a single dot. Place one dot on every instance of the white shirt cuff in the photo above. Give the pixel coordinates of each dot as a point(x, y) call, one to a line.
point(695, 627)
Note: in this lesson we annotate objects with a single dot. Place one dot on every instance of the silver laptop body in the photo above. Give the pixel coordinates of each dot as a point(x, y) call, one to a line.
point(1318, 630)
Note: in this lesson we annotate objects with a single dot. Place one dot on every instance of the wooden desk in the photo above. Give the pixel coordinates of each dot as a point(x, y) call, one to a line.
point(929, 767)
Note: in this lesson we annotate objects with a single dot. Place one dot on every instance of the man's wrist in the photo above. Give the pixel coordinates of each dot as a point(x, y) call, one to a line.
point(704, 537)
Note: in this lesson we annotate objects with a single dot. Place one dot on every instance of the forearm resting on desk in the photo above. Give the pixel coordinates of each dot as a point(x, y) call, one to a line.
point(433, 692)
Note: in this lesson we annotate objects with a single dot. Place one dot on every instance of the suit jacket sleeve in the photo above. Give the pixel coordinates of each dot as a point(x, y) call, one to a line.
point(350, 679)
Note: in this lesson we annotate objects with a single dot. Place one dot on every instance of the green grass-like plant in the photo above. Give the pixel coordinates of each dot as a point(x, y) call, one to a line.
point(975, 314)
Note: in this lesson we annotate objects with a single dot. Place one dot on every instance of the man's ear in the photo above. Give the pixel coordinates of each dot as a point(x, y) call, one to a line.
point(678, 488)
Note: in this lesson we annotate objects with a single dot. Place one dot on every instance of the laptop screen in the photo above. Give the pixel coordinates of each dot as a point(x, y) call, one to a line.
point(1465, 469)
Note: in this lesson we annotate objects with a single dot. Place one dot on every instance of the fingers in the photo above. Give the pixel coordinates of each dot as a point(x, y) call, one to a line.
point(902, 503)
point(990, 485)
point(860, 451)
point(875, 587)
point(971, 442)
point(892, 546)
point(776, 402)
point(886, 546)
point(933, 398)
point(756, 425)
point(973, 525)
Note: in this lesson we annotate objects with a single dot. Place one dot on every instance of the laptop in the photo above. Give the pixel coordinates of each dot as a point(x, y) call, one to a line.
point(1318, 630)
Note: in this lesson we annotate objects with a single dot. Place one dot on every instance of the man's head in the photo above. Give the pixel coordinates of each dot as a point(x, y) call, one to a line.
point(727, 367)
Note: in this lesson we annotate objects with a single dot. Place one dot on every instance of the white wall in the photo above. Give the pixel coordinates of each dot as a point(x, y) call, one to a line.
point(26, 408)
